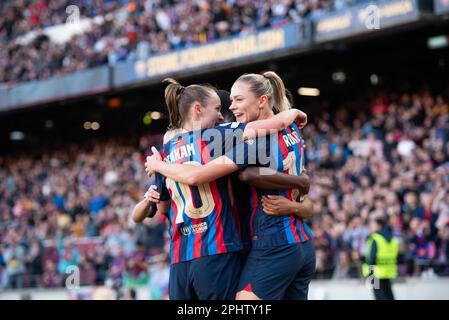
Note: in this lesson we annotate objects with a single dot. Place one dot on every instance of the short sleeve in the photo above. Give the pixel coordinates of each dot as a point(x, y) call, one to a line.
point(259, 151)
point(222, 138)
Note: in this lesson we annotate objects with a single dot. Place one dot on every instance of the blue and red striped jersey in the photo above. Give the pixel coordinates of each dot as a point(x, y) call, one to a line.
point(283, 152)
point(203, 219)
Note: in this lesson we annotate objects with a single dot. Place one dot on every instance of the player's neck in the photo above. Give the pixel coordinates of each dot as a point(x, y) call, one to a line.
point(192, 126)
point(265, 113)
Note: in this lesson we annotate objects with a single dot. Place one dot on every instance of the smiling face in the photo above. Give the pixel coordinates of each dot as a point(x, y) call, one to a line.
point(210, 114)
point(244, 104)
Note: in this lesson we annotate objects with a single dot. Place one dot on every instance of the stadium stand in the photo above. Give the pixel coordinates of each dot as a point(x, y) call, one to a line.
point(129, 30)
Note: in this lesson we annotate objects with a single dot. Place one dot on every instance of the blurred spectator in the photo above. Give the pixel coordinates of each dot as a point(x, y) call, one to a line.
point(3, 275)
point(346, 268)
point(50, 277)
point(14, 255)
point(103, 262)
point(159, 273)
point(68, 256)
point(35, 263)
point(86, 270)
point(132, 294)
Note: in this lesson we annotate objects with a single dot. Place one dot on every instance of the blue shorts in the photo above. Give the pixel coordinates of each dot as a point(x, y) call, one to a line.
point(279, 273)
point(213, 277)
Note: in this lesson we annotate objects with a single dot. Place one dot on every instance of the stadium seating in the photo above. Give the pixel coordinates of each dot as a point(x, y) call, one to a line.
point(39, 39)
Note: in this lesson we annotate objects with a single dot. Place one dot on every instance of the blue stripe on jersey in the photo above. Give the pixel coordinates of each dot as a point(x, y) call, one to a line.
point(212, 233)
point(298, 228)
point(307, 229)
point(170, 230)
point(298, 159)
point(196, 147)
point(286, 222)
point(288, 230)
point(295, 127)
point(301, 145)
point(280, 166)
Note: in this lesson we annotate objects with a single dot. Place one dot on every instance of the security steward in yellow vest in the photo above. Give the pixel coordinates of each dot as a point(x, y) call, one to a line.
point(381, 259)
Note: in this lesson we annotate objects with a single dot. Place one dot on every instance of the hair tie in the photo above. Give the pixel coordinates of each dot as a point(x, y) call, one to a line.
point(181, 90)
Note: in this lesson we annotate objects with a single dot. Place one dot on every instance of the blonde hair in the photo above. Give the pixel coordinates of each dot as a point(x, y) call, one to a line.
point(271, 85)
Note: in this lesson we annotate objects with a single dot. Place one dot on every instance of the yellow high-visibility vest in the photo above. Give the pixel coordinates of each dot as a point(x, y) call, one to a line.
point(386, 257)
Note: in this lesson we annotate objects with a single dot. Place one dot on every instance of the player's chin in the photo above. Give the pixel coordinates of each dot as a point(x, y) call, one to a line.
point(239, 117)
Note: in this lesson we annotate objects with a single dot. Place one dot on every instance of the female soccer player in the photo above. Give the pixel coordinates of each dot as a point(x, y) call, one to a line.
point(281, 262)
point(204, 227)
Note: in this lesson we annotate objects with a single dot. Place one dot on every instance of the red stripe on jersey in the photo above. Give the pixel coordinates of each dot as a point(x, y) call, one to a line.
point(255, 204)
point(177, 145)
point(204, 150)
point(292, 219)
point(248, 288)
point(235, 212)
point(304, 234)
point(197, 243)
point(176, 235)
point(282, 146)
point(219, 237)
point(162, 217)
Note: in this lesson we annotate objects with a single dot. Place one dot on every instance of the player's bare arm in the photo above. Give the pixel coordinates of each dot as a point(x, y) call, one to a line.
point(267, 178)
point(278, 122)
point(142, 209)
point(191, 174)
point(278, 205)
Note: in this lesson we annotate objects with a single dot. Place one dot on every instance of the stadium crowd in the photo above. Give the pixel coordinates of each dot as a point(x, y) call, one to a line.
point(131, 30)
point(392, 161)
point(72, 206)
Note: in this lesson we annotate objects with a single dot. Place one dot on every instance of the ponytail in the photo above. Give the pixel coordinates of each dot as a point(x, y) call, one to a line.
point(179, 99)
point(172, 95)
point(271, 85)
point(280, 100)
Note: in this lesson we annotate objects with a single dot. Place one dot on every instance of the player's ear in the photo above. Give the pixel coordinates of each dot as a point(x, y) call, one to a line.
point(197, 108)
point(262, 100)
